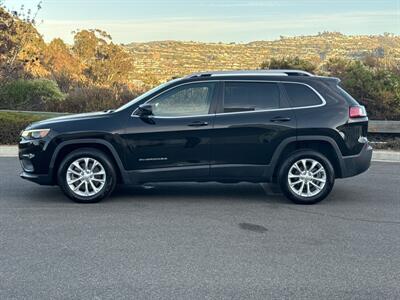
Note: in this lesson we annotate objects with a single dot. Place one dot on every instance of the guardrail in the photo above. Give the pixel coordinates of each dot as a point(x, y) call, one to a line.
point(375, 126)
point(383, 126)
point(34, 112)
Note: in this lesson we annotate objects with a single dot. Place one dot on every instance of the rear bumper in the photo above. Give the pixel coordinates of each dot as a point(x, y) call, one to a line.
point(357, 164)
point(37, 178)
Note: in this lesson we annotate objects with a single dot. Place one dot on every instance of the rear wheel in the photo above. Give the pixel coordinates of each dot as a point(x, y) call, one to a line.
point(87, 175)
point(306, 177)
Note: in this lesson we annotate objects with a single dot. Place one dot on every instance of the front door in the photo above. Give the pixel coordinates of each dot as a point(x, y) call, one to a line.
point(252, 120)
point(174, 142)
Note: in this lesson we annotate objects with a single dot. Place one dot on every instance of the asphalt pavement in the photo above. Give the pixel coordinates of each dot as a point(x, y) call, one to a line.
point(201, 241)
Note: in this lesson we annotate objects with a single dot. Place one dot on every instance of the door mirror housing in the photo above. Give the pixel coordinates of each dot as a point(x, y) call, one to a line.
point(145, 110)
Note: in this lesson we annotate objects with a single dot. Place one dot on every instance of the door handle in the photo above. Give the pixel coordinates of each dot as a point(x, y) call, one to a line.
point(280, 119)
point(198, 124)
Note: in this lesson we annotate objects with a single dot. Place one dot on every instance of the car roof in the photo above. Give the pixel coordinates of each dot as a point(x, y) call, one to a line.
point(253, 75)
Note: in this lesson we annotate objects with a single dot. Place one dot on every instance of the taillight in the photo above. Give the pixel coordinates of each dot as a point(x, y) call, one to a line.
point(357, 112)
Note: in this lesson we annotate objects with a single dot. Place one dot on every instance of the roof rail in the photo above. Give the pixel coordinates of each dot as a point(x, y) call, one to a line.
point(251, 73)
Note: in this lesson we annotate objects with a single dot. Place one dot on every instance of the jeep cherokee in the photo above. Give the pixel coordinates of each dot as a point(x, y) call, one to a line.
point(281, 126)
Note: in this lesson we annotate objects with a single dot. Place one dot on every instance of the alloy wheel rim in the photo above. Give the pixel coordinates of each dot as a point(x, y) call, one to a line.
point(86, 177)
point(307, 177)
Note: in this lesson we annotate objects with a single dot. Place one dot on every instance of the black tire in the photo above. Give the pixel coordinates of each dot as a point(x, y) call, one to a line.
point(283, 177)
point(106, 163)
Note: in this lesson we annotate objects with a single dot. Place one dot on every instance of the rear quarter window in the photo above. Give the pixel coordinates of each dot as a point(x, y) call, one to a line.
point(349, 99)
point(301, 95)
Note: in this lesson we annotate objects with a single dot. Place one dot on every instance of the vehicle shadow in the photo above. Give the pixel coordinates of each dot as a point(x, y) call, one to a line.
point(173, 192)
point(39, 194)
point(195, 192)
point(160, 192)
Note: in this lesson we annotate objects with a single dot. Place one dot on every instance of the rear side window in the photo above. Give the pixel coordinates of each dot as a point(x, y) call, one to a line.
point(250, 96)
point(301, 95)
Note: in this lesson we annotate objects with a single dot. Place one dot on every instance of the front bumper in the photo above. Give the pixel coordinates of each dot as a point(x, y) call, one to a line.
point(34, 158)
point(37, 178)
point(357, 164)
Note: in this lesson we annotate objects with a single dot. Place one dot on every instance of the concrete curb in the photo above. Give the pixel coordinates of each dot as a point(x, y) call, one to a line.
point(378, 155)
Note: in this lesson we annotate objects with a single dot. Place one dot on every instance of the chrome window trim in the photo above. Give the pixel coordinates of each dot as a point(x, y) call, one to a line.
point(176, 117)
point(314, 90)
point(323, 101)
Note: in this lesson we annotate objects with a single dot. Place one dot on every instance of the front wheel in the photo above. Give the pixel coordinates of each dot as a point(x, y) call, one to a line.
point(306, 177)
point(87, 175)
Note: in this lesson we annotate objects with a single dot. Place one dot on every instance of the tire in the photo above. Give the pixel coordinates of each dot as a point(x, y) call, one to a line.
point(309, 184)
point(92, 170)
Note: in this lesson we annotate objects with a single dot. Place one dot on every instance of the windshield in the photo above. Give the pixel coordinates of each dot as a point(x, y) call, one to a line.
point(142, 96)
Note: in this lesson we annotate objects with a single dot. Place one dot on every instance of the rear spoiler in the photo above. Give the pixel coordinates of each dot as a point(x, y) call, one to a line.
point(330, 80)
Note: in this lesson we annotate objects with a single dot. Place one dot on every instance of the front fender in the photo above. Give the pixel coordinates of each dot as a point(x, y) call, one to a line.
point(89, 142)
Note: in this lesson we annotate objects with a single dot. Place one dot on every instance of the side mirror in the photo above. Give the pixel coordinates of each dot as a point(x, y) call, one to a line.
point(145, 110)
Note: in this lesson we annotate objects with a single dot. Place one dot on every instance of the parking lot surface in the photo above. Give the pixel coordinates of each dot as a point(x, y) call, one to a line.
point(201, 241)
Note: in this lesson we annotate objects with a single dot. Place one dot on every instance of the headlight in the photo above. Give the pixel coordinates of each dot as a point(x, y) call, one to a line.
point(35, 134)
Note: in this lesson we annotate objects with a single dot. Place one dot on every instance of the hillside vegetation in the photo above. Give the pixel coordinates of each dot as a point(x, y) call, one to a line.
point(163, 60)
point(94, 73)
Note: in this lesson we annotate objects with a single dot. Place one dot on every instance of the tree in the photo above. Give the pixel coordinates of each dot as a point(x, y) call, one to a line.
point(21, 46)
point(63, 65)
point(113, 65)
point(105, 63)
point(86, 44)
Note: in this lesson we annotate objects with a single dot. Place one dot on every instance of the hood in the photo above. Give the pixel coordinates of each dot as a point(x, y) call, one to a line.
point(69, 118)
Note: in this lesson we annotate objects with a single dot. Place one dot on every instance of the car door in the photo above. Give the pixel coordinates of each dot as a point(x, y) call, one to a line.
point(174, 142)
point(253, 118)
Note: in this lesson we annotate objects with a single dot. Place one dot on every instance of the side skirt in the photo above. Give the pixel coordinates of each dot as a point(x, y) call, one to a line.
point(206, 173)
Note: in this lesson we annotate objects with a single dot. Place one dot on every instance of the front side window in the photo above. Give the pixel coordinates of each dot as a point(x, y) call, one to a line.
point(250, 96)
point(301, 95)
point(185, 100)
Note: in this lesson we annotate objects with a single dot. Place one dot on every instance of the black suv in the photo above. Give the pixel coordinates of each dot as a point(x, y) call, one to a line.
point(281, 126)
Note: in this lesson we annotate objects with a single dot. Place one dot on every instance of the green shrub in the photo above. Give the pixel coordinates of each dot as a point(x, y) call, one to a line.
point(35, 94)
point(376, 88)
point(289, 63)
point(11, 125)
point(45, 95)
point(372, 82)
point(95, 98)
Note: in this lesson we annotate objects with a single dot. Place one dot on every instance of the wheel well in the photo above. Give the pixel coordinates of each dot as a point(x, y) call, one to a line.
point(322, 147)
point(64, 151)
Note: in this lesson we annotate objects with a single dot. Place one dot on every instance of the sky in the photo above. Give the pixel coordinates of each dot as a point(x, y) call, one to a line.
point(237, 21)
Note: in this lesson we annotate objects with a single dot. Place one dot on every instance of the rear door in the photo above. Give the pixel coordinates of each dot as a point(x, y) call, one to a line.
point(252, 120)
